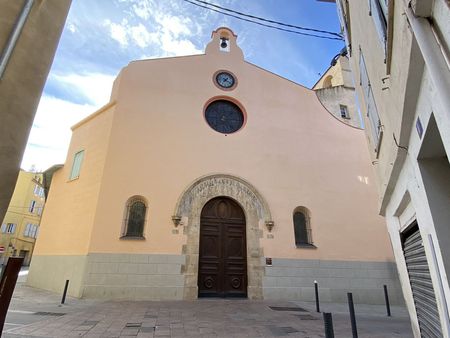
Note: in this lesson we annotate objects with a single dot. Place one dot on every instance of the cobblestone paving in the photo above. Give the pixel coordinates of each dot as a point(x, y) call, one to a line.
point(203, 318)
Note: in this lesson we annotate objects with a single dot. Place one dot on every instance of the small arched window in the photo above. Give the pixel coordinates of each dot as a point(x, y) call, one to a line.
point(327, 81)
point(302, 227)
point(136, 211)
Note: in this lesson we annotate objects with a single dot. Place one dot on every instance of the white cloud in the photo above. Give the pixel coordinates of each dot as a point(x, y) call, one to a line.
point(118, 31)
point(143, 8)
point(96, 87)
point(174, 25)
point(141, 36)
point(72, 27)
point(50, 134)
point(178, 47)
point(171, 36)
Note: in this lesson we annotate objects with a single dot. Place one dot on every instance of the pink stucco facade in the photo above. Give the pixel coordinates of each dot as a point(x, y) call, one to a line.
point(152, 140)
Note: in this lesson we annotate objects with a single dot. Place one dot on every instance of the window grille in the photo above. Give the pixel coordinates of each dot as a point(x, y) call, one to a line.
point(135, 218)
point(302, 229)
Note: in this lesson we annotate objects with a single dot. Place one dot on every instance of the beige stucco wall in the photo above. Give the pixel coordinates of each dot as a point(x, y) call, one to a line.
point(69, 215)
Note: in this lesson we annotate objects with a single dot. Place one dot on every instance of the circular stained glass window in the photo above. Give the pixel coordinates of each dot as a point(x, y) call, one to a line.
point(224, 116)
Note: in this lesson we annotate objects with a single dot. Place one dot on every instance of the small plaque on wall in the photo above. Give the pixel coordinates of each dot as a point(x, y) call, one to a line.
point(270, 236)
point(268, 261)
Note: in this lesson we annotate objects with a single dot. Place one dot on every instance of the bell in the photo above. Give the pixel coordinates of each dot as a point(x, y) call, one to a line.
point(223, 44)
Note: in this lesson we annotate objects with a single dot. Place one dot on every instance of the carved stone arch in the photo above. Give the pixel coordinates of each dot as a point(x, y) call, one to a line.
point(257, 213)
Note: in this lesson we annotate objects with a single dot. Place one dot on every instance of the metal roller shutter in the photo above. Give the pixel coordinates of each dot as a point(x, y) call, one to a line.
point(421, 284)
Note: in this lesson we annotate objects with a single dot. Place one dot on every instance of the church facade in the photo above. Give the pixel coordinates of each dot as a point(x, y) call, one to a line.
point(208, 176)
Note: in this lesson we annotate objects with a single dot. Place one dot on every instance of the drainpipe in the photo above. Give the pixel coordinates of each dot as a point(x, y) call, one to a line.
point(11, 43)
point(433, 56)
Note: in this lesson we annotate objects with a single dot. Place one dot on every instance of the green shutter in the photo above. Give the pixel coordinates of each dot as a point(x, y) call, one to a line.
point(76, 167)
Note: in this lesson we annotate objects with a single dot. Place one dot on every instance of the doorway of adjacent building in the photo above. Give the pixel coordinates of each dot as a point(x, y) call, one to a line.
point(223, 251)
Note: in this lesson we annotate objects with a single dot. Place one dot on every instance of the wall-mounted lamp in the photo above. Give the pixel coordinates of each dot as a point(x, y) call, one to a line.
point(176, 220)
point(269, 225)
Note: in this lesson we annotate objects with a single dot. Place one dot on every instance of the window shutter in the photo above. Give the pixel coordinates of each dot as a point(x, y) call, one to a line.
point(3, 227)
point(76, 167)
point(369, 100)
point(344, 28)
point(379, 12)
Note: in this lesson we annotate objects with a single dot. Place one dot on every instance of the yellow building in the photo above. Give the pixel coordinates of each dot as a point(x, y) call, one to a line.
point(20, 226)
point(206, 175)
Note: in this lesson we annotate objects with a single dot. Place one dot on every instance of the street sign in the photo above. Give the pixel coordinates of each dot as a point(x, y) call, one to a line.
point(2, 249)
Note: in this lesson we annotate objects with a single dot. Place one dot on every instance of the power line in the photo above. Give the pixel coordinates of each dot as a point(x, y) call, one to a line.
point(270, 21)
point(339, 38)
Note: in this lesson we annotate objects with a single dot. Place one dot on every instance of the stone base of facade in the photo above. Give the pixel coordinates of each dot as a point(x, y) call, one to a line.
point(162, 277)
point(134, 277)
point(51, 272)
point(293, 279)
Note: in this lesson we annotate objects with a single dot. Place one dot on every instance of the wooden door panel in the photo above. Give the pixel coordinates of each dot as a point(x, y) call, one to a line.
point(223, 256)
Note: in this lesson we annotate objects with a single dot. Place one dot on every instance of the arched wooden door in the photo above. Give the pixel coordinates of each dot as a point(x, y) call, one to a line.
point(223, 251)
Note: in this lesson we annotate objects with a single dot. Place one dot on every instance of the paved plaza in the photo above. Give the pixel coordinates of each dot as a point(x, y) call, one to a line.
point(37, 313)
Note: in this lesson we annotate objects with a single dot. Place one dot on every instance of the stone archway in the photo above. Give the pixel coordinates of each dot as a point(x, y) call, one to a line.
point(257, 213)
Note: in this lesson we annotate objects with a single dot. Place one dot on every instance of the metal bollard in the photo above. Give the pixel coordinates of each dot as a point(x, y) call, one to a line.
point(65, 292)
point(328, 323)
point(316, 289)
point(352, 314)
point(386, 297)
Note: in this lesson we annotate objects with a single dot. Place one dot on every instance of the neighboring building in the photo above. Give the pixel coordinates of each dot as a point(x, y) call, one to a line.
point(336, 91)
point(399, 54)
point(206, 175)
point(20, 226)
point(29, 34)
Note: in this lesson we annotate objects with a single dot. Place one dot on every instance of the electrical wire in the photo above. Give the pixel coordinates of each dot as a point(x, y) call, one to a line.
point(267, 20)
point(265, 25)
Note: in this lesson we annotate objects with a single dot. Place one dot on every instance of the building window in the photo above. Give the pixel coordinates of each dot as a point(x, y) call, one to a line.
point(76, 166)
point(10, 228)
point(136, 211)
point(344, 111)
point(327, 82)
point(378, 9)
point(302, 228)
point(343, 10)
point(32, 206)
point(26, 232)
point(371, 108)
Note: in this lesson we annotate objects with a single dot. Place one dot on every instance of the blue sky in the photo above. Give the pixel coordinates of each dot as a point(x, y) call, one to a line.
point(102, 36)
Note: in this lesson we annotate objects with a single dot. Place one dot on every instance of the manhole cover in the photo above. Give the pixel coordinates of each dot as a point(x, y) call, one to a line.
point(286, 308)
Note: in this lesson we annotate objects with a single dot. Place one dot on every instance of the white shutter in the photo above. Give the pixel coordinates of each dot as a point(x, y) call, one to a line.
point(378, 9)
point(3, 227)
point(369, 100)
point(344, 28)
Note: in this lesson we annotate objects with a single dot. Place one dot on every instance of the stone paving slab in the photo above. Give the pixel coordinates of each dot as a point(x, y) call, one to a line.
point(208, 318)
